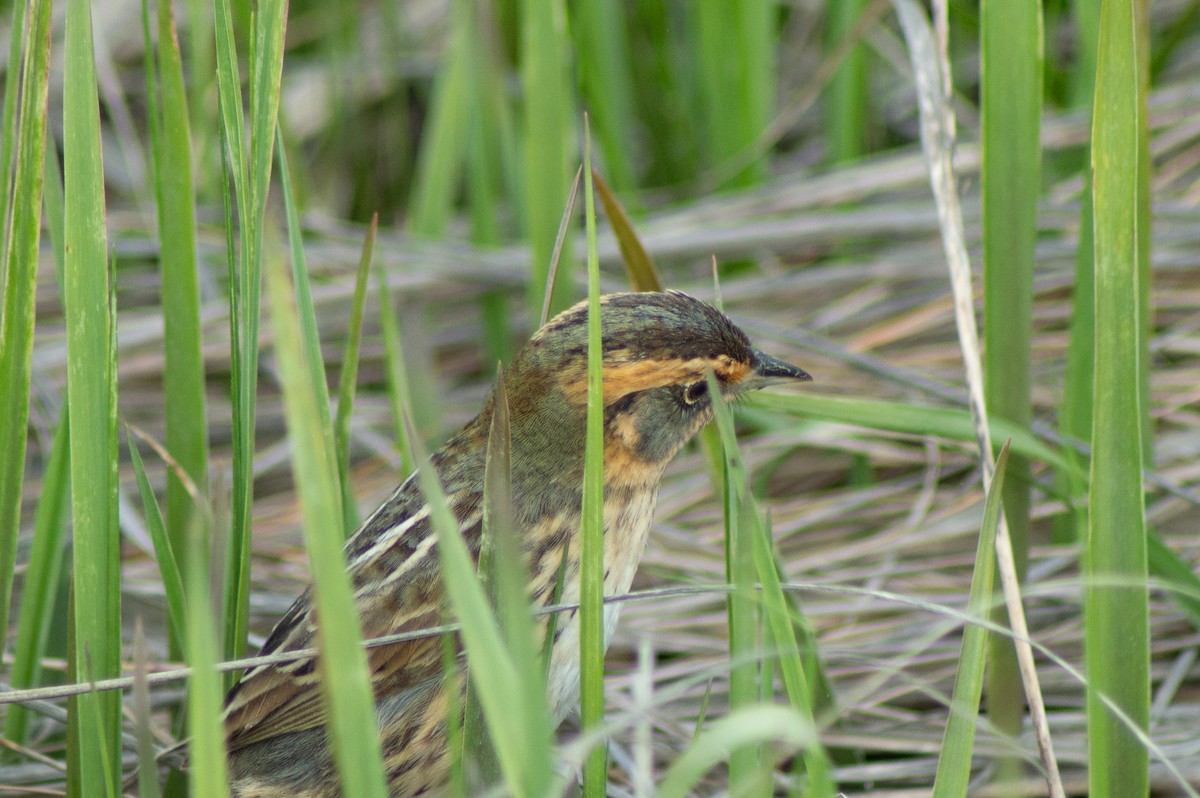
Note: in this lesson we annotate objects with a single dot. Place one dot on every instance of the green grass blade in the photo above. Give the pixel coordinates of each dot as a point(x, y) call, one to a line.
point(17, 46)
point(54, 204)
point(349, 702)
point(822, 699)
point(496, 544)
point(348, 379)
point(493, 160)
point(490, 140)
point(552, 622)
point(735, 50)
point(18, 280)
point(745, 728)
point(591, 590)
point(466, 735)
point(1075, 412)
point(310, 335)
point(266, 72)
point(958, 741)
point(243, 336)
point(207, 768)
point(153, 115)
point(1011, 99)
point(91, 380)
point(147, 772)
point(40, 611)
point(251, 180)
point(183, 375)
point(506, 576)
point(164, 546)
point(42, 579)
point(184, 370)
point(664, 100)
point(1116, 642)
point(744, 675)
point(847, 98)
point(1086, 16)
point(546, 132)
point(945, 422)
point(1176, 575)
point(84, 716)
point(440, 160)
point(229, 93)
point(639, 266)
point(204, 113)
point(560, 241)
point(754, 562)
point(794, 665)
point(606, 83)
point(1141, 40)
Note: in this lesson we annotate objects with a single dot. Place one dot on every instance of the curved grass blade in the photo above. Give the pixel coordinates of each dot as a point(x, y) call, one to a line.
point(958, 741)
point(564, 224)
point(164, 548)
point(753, 726)
point(639, 266)
point(946, 422)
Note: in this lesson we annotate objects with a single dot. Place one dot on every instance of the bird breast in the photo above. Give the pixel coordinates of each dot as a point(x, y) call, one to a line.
point(627, 513)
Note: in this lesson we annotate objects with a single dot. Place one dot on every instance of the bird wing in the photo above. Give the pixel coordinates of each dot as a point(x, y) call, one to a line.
point(396, 575)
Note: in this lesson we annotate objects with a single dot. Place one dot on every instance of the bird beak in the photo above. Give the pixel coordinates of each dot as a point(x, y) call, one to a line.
point(770, 370)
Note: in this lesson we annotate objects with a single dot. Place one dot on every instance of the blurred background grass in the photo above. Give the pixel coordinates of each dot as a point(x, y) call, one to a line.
point(779, 138)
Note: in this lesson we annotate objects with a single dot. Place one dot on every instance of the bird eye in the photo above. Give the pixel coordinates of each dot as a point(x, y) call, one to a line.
point(695, 392)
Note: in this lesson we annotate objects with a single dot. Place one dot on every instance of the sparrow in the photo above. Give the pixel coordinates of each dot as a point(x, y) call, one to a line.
point(657, 349)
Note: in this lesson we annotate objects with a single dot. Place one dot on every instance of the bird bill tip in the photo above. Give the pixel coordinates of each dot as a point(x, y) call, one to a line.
point(773, 369)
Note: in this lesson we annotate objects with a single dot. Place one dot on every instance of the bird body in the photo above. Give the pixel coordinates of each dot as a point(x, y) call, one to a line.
point(657, 349)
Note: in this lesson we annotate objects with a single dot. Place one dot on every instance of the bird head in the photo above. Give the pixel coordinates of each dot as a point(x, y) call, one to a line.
point(657, 351)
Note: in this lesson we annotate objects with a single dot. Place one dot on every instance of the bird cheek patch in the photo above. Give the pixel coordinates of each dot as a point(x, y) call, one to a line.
point(623, 465)
point(623, 430)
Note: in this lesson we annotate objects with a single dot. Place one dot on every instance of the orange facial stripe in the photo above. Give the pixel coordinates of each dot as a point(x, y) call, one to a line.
point(638, 375)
